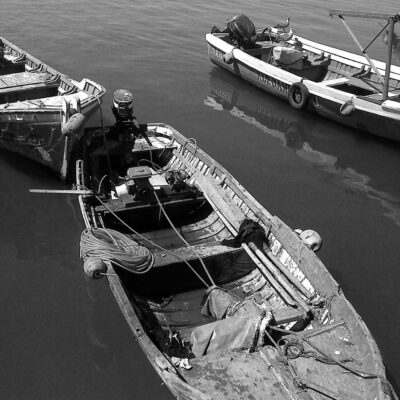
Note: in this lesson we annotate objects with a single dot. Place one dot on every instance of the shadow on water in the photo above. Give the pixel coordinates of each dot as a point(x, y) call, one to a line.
point(360, 162)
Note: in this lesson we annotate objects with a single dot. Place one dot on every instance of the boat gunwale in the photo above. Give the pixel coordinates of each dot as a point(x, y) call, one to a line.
point(57, 76)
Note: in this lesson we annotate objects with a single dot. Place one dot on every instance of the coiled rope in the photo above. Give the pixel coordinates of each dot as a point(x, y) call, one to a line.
point(148, 240)
point(115, 247)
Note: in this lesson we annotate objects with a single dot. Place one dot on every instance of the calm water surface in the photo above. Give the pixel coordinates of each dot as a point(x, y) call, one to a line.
point(63, 337)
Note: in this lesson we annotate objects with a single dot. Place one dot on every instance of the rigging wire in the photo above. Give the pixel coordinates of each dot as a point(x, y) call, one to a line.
point(183, 239)
point(148, 240)
point(104, 138)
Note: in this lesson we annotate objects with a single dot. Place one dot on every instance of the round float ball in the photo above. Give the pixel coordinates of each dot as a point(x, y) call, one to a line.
point(94, 267)
point(311, 239)
point(75, 123)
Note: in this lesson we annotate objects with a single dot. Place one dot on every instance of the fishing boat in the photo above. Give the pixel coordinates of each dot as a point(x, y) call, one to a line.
point(42, 111)
point(351, 89)
point(29, 86)
point(224, 298)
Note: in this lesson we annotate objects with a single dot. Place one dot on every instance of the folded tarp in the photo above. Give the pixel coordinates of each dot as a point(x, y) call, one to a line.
point(239, 330)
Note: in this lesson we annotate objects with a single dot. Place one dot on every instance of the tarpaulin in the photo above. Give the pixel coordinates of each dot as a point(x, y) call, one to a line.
point(237, 331)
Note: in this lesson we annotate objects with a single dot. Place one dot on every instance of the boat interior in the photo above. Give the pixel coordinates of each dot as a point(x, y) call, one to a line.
point(205, 303)
point(154, 204)
point(23, 77)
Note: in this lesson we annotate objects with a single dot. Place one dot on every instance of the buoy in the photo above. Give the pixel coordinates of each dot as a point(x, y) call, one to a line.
point(73, 125)
point(94, 267)
point(347, 108)
point(310, 238)
point(228, 58)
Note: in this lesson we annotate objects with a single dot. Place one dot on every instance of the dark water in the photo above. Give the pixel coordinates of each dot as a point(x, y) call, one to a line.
point(63, 337)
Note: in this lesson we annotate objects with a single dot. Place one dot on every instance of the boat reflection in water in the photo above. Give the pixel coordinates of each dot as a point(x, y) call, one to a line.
point(40, 140)
point(336, 150)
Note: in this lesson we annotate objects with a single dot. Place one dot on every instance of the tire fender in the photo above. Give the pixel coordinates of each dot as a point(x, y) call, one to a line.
point(298, 95)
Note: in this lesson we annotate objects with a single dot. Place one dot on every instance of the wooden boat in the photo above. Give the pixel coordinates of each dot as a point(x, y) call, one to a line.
point(29, 86)
point(354, 90)
point(42, 111)
point(226, 301)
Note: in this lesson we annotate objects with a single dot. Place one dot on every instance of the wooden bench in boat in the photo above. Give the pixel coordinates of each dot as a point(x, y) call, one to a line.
point(352, 81)
point(24, 80)
point(202, 250)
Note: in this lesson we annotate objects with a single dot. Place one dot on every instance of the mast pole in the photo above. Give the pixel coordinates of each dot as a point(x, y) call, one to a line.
point(389, 60)
point(364, 53)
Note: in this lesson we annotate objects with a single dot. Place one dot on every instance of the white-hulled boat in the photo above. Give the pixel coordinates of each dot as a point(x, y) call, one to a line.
point(351, 89)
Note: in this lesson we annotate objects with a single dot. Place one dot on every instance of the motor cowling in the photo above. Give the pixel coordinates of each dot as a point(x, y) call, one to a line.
point(123, 104)
point(241, 28)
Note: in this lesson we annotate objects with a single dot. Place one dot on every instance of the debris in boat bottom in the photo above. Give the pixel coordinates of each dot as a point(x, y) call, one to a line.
point(181, 363)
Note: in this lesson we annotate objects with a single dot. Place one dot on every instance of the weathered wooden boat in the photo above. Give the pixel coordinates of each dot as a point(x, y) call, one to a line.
point(226, 301)
point(29, 86)
point(42, 111)
point(351, 89)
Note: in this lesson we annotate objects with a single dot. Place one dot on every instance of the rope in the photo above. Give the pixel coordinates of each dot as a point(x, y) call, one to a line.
point(183, 239)
point(113, 246)
point(104, 138)
point(148, 240)
point(326, 358)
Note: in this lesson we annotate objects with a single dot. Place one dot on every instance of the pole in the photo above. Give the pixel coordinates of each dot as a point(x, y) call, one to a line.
point(385, 93)
point(58, 191)
point(362, 50)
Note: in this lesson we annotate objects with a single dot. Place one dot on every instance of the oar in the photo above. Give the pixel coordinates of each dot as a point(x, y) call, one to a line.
point(219, 201)
point(61, 191)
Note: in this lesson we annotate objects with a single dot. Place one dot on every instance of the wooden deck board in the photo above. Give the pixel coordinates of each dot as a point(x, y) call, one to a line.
point(22, 79)
point(202, 250)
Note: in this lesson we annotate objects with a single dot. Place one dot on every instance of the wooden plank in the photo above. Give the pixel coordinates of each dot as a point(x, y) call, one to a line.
point(288, 275)
point(359, 14)
point(273, 282)
point(62, 191)
point(202, 250)
point(284, 315)
point(278, 276)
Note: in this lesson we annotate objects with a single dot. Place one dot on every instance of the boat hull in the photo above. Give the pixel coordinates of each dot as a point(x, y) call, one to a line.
point(42, 111)
point(152, 308)
point(367, 116)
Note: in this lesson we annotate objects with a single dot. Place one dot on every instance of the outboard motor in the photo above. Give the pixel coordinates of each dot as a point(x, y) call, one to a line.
point(241, 28)
point(123, 105)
